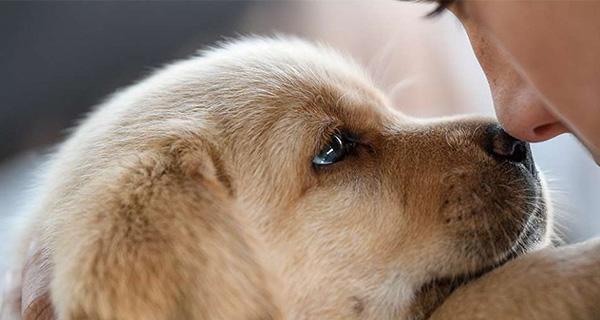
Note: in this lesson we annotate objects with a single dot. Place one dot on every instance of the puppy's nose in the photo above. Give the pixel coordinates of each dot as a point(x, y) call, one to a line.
point(507, 147)
point(503, 146)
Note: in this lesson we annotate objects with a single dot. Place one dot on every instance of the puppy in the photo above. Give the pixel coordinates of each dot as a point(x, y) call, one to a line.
point(270, 179)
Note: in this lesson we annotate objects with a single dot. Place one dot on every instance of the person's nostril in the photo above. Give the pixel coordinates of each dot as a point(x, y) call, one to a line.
point(548, 131)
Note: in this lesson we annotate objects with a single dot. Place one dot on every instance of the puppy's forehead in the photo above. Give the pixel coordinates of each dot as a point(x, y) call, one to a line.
point(314, 80)
point(352, 107)
point(266, 82)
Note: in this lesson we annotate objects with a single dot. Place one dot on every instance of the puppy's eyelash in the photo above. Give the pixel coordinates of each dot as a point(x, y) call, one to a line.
point(350, 136)
point(327, 132)
point(327, 135)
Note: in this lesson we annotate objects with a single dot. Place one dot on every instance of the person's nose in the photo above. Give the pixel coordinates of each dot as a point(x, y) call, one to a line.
point(530, 121)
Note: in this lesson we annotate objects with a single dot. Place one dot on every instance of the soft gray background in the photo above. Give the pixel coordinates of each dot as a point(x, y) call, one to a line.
point(57, 60)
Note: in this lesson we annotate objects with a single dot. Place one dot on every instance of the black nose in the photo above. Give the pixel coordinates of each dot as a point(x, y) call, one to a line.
point(503, 146)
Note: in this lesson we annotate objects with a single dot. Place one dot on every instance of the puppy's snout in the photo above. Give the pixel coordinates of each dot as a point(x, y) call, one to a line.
point(503, 146)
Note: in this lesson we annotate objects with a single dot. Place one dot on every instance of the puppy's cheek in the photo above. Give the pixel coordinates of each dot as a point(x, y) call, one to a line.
point(485, 214)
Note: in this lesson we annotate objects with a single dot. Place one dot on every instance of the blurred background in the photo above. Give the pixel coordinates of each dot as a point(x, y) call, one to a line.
point(59, 59)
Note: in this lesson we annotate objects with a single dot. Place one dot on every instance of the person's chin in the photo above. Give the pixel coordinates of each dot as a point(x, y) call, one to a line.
point(593, 149)
point(595, 152)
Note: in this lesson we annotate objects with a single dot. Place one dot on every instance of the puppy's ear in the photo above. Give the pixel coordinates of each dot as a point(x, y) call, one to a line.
point(200, 158)
point(159, 238)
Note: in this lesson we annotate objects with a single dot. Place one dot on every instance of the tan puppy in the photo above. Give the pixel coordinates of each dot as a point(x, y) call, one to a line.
point(269, 179)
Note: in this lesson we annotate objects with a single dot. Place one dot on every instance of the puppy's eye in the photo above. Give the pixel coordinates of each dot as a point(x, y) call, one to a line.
point(334, 151)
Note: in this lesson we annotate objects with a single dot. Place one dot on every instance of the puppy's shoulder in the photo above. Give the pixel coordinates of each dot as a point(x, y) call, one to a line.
point(552, 283)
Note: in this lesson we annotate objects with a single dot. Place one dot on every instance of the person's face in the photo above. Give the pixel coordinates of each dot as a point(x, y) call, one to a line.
point(541, 64)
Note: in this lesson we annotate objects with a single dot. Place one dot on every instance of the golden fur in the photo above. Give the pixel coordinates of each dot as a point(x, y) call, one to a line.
point(191, 195)
point(550, 284)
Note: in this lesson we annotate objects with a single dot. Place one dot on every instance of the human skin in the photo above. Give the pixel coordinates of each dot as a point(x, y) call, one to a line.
point(541, 61)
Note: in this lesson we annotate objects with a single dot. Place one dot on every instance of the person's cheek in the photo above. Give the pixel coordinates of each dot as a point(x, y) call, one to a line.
point(519, 107)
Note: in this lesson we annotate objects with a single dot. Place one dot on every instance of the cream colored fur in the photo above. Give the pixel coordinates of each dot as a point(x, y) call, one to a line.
point(191, 195)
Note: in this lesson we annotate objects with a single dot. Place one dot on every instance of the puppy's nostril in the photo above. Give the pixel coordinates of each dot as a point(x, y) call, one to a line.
point(509, 148)
point(506, 147)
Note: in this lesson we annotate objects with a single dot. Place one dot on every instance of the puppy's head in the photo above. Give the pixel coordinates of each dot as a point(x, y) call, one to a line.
point(357, 206)
point(361, 205)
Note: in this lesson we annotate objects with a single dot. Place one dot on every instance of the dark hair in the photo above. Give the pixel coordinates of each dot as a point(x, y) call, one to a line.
point(441, 5)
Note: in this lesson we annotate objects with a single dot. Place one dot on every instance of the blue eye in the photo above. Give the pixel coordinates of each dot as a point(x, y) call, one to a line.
point(334, 151)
